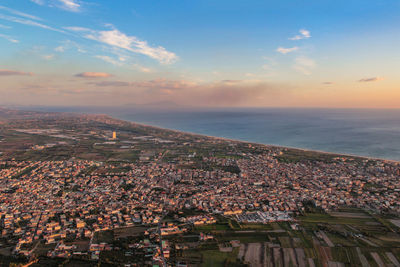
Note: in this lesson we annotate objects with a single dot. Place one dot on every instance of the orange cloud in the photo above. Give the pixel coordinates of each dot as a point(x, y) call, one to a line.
point(14, 73)
point(372, 79)
point(157, 83)
point(93, 75)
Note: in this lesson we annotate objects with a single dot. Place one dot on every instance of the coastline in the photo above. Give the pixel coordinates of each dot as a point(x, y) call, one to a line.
point(256, 143)
point(126, 120)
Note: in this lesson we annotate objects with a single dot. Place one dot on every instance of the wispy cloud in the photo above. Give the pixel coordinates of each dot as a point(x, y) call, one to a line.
point(38, 2)
point(4, 26)
point(269, 67)
point(48, 57)
point(285, 51)
point(109, 59)
point(4, 72)
point(93, 75)
point(77, 29)
point(60, 49)
point(372, 79)
point(112, 84)
point(28, 22)
point(304, 34)
point(328, 83)
point(19, 13)
point(8, 38)
point(68, 44)
point(154, 84)
point(266, 67)
point(117, 39)
point(121, 61)
point(304, 65)
point(141, 68)
point(68, 5)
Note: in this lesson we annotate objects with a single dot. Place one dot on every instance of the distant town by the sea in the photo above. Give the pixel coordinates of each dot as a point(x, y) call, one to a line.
point(364, 132)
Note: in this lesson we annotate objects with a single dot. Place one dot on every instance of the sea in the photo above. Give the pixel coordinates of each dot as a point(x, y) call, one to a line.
point(372, 133)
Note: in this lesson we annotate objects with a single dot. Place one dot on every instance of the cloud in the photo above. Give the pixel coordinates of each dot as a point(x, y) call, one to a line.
point(237, 93)
point(230, 82)
point(93, 75)
point(142, 68)
point(304, 34)
point(112, 84)
point(48, 57)
point(168, 84)
point(68, 44)
point(266, 67)
point(229, 95)
point(38, 2)
point(60, 49)
point(109, 60)
point(304, 65)
point(14, 73)
point(117, 39)
point(328, 83)
point(4, 27)
point(9, 38)
point(154, 84)
point(19, 13)
point(269, 67)
point(219, 93)
point(120, 61)
point(372, 79)
point(285, 51)
point(70, 5)
point(77, 29)
point(28, 22)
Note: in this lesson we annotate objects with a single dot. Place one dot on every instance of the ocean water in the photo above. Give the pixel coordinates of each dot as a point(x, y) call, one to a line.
point(372, 133)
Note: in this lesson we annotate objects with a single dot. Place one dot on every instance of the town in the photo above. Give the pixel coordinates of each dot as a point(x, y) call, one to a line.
point(92, 188)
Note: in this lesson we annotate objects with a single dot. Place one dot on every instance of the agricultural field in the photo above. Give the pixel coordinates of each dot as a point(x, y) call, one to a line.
point(344, 238)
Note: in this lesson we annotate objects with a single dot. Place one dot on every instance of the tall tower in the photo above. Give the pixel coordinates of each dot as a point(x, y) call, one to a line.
point(114, 135)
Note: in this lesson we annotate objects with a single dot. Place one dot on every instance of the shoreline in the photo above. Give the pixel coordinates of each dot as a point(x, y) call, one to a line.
point(256, 143)
point(113, 117)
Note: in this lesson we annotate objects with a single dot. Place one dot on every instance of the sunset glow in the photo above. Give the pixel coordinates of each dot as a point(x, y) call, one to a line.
point(200, 54)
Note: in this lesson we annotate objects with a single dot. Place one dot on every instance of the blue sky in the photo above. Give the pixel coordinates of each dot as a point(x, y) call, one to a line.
point(220, 53)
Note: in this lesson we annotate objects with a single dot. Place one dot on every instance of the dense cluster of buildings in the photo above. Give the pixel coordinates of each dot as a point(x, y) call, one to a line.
point(344, 182)
point(61, 200)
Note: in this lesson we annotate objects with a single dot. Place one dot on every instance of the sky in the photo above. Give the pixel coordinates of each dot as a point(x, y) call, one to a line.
point(203, 53)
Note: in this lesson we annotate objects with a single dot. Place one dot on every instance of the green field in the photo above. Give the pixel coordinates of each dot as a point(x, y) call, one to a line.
point(347, 231)
point(211, 258)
